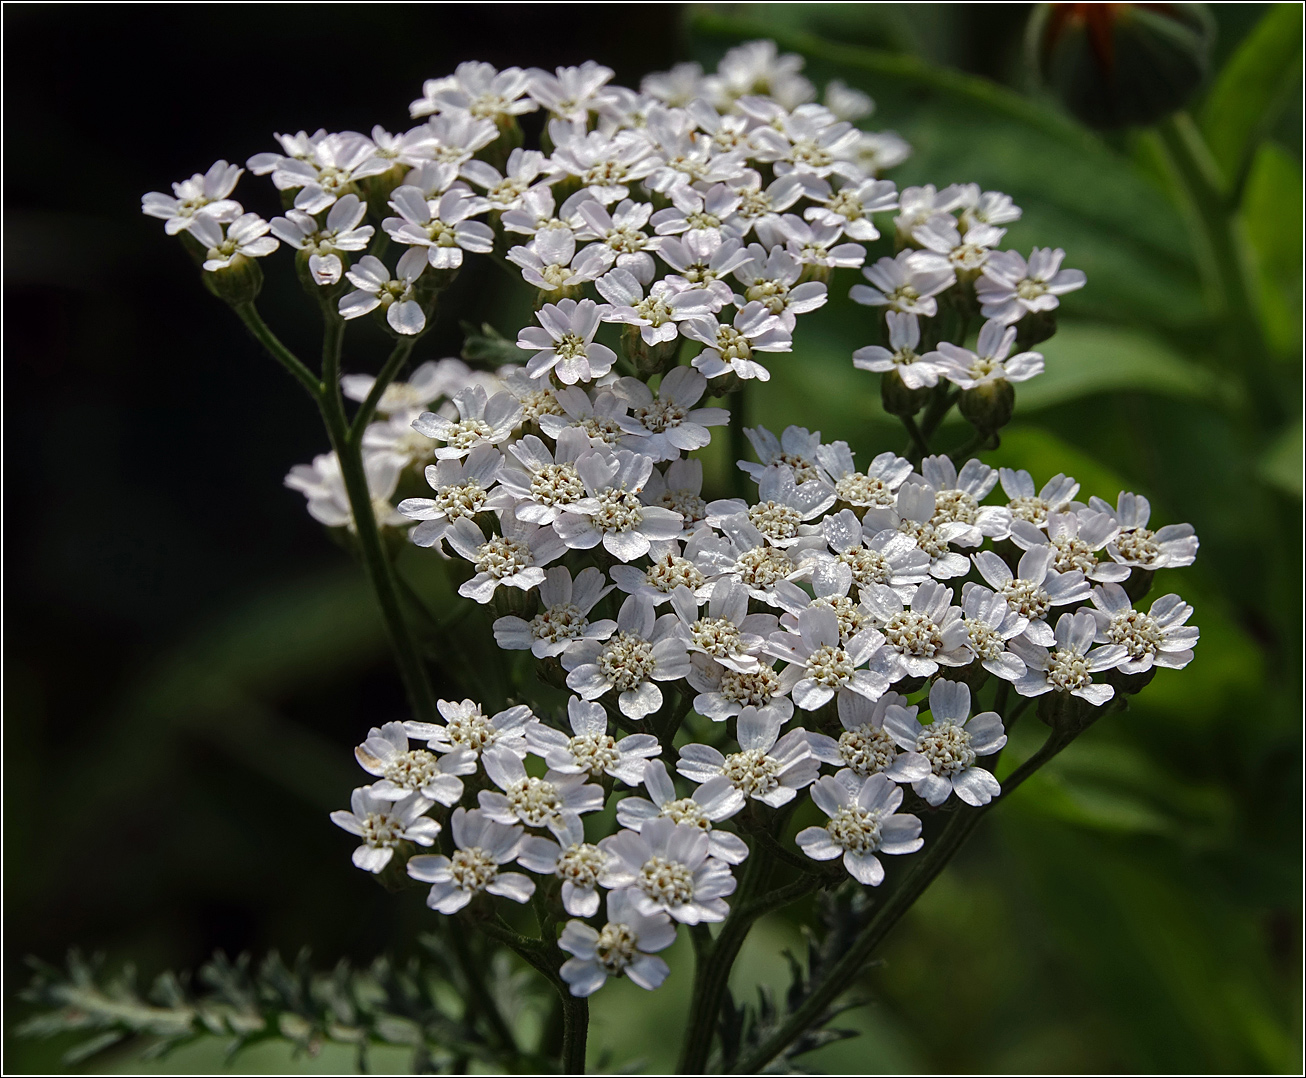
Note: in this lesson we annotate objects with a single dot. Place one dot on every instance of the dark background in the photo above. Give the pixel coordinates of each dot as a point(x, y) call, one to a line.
point(187, 659)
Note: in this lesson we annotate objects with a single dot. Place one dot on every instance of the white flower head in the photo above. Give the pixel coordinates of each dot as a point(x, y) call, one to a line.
point(482, 421)
point(344, 231)
point(463, 488)
point(613, 515)
point(482, 846)
point(957, 495)
point(868, 557)
point(908, 283)
point(626, 946)
point(563, 618)
point(771, 277)
point(1136, 545)
point(1056, 496)
point(323, 484)
point(374, 287)
point(382, 823)
point(768, 767)
point(990, 624)
point(865, 747)
point(515, 558)
point(822, 665)
point(404, 771)
point(440, 227)
point(1158, 637)
point(667, 868)
point(1011, 287)
point(876, 486)
point(591, 750)
point(915, 370)
point(989, 362)
point(665, 425)
point(466, 727)
point(727, 632)
point(203, 195)
point(864, 821)
point(1070, 666)
point(245, 237)
point(711, 803)
point(476, 88)
point(1075, 539)
point(550, 262)
point(913, 516)
point(923, 635)
point(565, 343)
point(555, 801)
point(571, 859)
point(1034, 589)
point(729, 349)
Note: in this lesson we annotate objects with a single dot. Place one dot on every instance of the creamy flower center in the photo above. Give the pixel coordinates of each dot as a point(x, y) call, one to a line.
point(926, 537)
point(755, 687)
point(561, 621)
point(851, 616)
point(555, 275)
point(627, 240)
point(603, 173)
point(461, 500)
point(383, 829)
point(1139, 545)
point(984, 639)
point(686, 810)
point(535, 801)
point(626, 661)
point(1030, 289)
point(670, 571)
point(655, 309)
point(752, 772)
point(914, 633)
point(619, 511)
point(867, 749)
point(803, 468)
point(716, 636)
point(466, 433)
point(603, 427)
point(581, 864)
point(594, 752)
point(1137, 631)
point(1028, 507)
point(557, 484)
point(954, 505)
point(868, 566)
point(858, 489)
point(774, 295)
point(1027, 599)
point(572, 346)
point(660, 415)
point(830, 666)
point(846, 204)
point(413, 769)
point(688, 503)
point(616, 947)
point(1068, 670)
point(1072, 553)
point(502, 557)
point(472, 869)
point(732, 344)
point(668, 882)
point(947, 747)
point(538, 402)
point(763, 566)
point(775, 520)
point(441, 234)
point(855, 829)
point(472, 731)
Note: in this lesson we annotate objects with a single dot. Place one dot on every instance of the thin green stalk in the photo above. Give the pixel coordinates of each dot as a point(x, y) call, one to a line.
point(900, 900)
point(919, 448)
point(575, 1033)
point(737, 441)
point(278, 351)
point(393, 365)
point(937, 409)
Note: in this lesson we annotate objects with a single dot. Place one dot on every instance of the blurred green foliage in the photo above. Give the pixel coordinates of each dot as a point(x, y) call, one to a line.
point(1136, 907)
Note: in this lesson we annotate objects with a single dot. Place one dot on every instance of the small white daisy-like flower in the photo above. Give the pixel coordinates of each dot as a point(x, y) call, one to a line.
point(606, 165)
point(865, 747)
point(482, 846)
point(808, 140)
point(374, 287)
point(457, 135)
point(482, 421)
point(924, 635)
point(462, 488)
point(563, 618)
point(668, 569)
point(466, 727)
point(667, 868)
point(703, 259)
point(564, 342)
point(816, 243)
point(203, 195)
point(658, 314)
point(514, 559)
point(771, 278)
point(569, 92)
point(331, 168)
point(692, 210)
point(668, 424)
point(1075, 539)
point(957, 495)
point(1070, 666)
point(744, 554)
point(966, 253)
point(574, 861)
point(756, 67)
point(990, 361)
point(440, 227)
point(245, 237)
point(851, 206)
point(913, 515)
point(1158, 637)
point(711, 803)
point(1056, 496)
point(598, 416)
point(916, 205)
point(729, 349)
point(476, 88)
point(555, 801)
point(727, 633)
point(915, 370)
point(876, 486)
point(951, 743)
point(871, 556)
point(822, 666)
point(344, 231)
point(1170, 547)
point(760, 208)
point(645, 649)
point(591, 750)
point(625, 946)
point(504, 190)
point(679, 487)
point(384, 822)
point(613, 514)
point(1034, 589)
point(906, 284)
point(621, 236)
point(796, 447)
point(537, 399)
point(550, 262)
point(767, 768)
point(537, 214)
point(404, 771)
point(990, 624)
point(323, 484)
point(783, 506)
point(1011, 287)
point(723, 693)
point(864, 821)
point(547, 484)
point(987, 208)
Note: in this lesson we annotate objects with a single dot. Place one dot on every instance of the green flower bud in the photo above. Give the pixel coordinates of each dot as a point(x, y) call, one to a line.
point(649, 359)
point(1121, 65)
point(1035, 328)
point(237, 283)
point(898, 399)
point(989, 405)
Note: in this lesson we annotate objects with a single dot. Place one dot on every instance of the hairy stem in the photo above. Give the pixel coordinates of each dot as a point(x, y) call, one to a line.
point(278, 351)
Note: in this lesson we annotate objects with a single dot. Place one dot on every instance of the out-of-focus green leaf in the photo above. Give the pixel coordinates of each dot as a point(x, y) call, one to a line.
point(1251, 89)
point(1043, 455)
point(1272, 215)
point(1281, 466)
point(1084, 359)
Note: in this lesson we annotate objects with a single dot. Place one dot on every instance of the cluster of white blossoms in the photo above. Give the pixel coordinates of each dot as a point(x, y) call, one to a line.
point(689, 224)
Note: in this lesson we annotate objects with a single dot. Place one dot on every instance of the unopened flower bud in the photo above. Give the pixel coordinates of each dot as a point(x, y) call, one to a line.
point(237, 283)
point(649, 359)
point(1035, 328)
point(898, 399)
point(1066, 713)
point(989, 405)
point(1121, 65)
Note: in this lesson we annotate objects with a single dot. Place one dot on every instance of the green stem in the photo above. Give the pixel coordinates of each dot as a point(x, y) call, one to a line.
point(938, 408)
point(899, 901)
point(737, 442)
point(575, 1033)
point(278, 351)
point(393, 365)
point(920, 448)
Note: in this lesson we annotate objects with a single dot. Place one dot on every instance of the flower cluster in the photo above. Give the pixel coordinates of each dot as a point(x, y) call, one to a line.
point(673, 236)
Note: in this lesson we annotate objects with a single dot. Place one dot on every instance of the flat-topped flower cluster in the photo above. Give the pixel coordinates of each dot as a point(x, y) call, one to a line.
point(698, 217)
